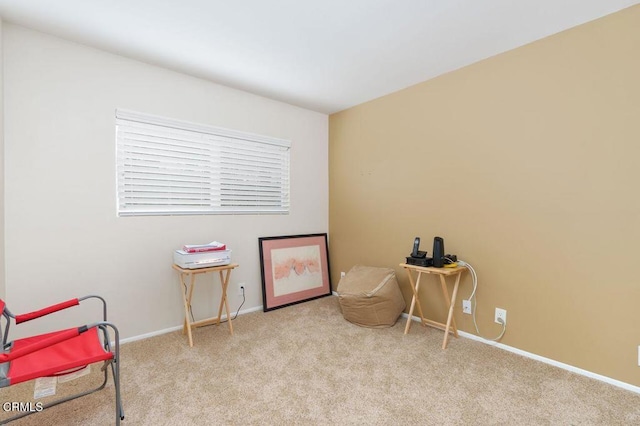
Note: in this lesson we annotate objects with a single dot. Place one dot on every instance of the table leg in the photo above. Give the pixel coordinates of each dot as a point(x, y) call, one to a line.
point(186, 299)
point(415, 300)
point(450, 318)
point(450, 303)
point(418, 303)
point(224, 280)
point(221, 298)
point(183, 289)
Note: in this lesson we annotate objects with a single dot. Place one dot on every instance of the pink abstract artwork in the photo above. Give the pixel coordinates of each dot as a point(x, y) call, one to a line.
point(296, 269)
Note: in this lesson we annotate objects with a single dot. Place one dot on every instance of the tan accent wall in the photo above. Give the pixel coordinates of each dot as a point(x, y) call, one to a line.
point(528, 165)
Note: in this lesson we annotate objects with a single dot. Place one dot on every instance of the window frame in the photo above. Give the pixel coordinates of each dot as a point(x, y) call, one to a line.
point(241, 168)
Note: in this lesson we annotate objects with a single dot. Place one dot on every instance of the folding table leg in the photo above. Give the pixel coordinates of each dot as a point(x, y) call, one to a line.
point(415, 288)
point(450, 318)
point(186, 299)
point(224, 280)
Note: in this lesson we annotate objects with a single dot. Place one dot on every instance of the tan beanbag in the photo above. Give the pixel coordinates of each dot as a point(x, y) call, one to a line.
point(370, 297)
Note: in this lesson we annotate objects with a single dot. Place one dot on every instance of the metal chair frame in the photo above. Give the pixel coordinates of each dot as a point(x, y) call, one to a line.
point(103, 326)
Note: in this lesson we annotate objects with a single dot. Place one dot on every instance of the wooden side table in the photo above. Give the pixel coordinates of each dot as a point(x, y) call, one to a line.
point(442, 273)
point(187, 293)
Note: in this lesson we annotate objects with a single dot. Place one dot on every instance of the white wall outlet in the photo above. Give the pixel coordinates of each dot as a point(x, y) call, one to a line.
point(241, 289)
point(466, 306)
point(342, 274)
point(501, 314)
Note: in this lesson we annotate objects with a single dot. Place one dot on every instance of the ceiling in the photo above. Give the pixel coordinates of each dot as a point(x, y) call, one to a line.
point(324, 55)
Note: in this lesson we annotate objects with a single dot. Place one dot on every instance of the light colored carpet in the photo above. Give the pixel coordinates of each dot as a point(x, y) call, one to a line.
point(305, 364)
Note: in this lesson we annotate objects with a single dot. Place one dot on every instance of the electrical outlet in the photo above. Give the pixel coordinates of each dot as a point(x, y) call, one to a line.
point(501, 314)
point(342, 274)
point(241, 289)
point(466, 306)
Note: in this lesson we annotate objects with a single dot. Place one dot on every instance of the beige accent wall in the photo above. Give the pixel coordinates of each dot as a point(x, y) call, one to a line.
point(527, 164)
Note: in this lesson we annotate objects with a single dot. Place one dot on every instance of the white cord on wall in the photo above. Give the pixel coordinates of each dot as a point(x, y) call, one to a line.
point(473, 308)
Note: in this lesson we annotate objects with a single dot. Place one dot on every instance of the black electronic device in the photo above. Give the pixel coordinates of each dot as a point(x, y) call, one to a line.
point(438, 252)
point(420, 261)
point(417, 257)
point(416, 252)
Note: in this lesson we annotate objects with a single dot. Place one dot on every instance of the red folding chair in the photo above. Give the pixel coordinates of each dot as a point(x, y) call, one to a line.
point(60, 352)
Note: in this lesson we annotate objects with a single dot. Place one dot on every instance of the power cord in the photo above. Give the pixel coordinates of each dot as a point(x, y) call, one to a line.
point(222, 321)
point(473, 299)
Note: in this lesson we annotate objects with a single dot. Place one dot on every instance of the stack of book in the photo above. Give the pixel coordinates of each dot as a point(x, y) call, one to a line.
point(202, 255)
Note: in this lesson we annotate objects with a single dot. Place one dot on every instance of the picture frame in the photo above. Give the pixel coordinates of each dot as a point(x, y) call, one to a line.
point(294, 268)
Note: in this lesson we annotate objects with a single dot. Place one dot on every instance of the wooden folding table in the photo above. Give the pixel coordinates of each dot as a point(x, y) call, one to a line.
point(442, 273)
point(187, 293)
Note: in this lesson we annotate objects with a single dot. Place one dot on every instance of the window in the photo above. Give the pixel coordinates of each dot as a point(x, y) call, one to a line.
point(170, 167)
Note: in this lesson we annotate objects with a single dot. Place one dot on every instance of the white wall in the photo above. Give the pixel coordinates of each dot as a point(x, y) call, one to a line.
point(2, 269)
point(63, 238)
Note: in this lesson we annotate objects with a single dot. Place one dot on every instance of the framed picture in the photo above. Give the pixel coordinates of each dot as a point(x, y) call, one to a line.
point(294, 268)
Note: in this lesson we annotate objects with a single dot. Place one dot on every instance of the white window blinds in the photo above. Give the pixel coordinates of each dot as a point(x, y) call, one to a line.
point(169, 167)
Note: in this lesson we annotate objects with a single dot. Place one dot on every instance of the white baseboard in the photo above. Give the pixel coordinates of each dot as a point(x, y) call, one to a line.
point(614, 382)
point(178, 327)
point(148, 335)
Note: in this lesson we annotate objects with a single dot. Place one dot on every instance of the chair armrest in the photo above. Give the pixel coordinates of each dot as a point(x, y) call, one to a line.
point(101, 299)
point(46, 311)
point(44, 343)
point(58, 307)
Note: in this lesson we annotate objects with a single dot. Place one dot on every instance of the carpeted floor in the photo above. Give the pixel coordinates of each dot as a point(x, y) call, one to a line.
point(306, 365)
